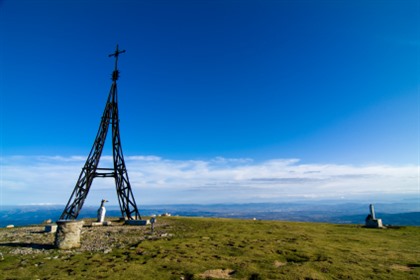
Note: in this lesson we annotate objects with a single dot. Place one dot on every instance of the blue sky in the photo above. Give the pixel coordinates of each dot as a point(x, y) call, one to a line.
point(334, 85)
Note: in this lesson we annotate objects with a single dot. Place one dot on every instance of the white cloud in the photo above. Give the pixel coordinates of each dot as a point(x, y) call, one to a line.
point(46, 179)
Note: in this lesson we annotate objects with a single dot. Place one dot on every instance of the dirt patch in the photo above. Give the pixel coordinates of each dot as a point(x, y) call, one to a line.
point(218, 273)
point(401, 267)
point(279, 264)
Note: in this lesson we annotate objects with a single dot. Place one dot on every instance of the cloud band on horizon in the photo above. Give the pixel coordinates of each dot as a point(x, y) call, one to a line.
point(156, 180)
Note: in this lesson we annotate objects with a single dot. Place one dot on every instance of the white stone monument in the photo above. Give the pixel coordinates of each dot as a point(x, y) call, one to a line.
point(102, 211)
point(101, 216)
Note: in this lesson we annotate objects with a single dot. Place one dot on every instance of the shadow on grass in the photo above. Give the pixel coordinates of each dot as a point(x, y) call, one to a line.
point(28, 245)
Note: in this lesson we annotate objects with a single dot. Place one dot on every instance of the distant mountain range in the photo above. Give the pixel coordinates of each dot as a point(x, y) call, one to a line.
point(398, 214)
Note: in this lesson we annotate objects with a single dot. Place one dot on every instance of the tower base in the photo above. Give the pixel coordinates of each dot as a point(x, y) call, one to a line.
point(374, 223)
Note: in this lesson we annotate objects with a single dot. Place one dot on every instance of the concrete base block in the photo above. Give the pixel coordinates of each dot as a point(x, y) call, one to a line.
point(137, 222)
point(51, 228)
point(374, 223)
point(68, 234)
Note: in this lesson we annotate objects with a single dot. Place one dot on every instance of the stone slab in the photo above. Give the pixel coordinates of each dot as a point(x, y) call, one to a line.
point(100, 224)
point(137, 222)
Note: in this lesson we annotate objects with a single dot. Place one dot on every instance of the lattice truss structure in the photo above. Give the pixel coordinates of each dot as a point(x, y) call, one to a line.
point(91, 170)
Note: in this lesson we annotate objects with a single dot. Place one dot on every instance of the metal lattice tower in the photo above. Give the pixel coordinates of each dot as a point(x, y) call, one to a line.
point(90, 170)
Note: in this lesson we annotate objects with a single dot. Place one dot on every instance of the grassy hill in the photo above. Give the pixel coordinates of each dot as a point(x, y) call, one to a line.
point(209, 248)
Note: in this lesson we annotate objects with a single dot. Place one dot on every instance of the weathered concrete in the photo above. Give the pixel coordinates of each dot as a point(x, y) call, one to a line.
point(68, 234)
point(51, 228)
point(374, 223)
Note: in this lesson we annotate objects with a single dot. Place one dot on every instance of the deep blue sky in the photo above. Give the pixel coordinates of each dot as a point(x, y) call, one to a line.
point(322, 81)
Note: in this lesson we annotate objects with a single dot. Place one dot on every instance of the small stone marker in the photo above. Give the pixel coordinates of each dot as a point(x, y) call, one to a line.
point(68, 234)
point(371, 221)
point(153, 221)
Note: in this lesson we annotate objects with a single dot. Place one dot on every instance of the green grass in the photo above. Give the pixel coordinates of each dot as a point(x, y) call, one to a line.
point(249, 249)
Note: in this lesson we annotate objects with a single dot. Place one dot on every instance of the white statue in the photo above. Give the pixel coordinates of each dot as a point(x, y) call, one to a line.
point(102, 211)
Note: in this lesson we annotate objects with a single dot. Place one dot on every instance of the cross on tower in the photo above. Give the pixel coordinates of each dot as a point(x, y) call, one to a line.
point(116, 73)
point(91, 170)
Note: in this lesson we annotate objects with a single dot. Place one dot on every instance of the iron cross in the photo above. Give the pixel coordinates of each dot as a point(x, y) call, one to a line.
point(116, 54)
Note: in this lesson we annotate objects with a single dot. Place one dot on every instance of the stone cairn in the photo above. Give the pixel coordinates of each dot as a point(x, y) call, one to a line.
point(68, 234)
